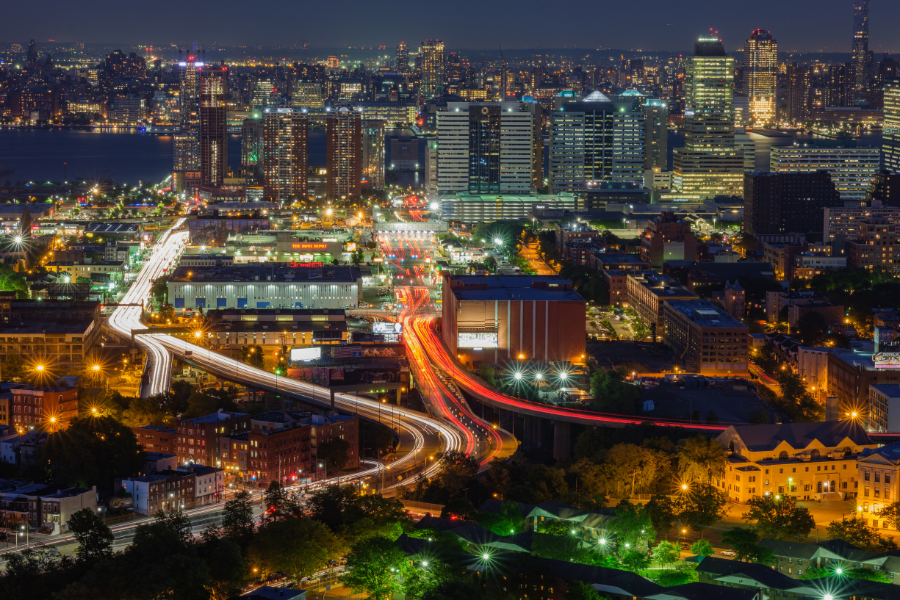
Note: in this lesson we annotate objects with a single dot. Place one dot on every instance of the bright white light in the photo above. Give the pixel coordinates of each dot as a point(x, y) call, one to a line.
point(563, 375)
point(518, 376)
point(538, 376)
point(498, 241)
point(434, 206)
point(839, 571)
point(18, 239)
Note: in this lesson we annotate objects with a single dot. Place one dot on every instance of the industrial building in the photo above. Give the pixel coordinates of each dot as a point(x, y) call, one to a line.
point(281, 285)
point(494, 319)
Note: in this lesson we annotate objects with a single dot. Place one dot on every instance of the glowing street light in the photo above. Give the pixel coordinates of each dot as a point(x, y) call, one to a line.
point(518, 376)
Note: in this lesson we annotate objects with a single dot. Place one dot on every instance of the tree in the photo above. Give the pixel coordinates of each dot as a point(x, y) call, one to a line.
point(330, 504)
point(811, 329)
point(278, 502)
point(507, 521)
point(591, 485)
point(635, 467)
point(371, 568)
point(94, 536)
point(779, 517)
point(227, 569)
point(796, 400)
point(547, 483)
point(632, 526)
point(662, 512)
point(335, 453)
point(297, 546)
point(891, 514)
point(253, 356)
point(373, 515)
point(612, 393)
point(634, 560)
point(855, 531)
point(702, 548)
point(579, 590)
point(745, 543)
point(93, 450)
point(237, 519)
point(665, 553)
point(702, 507)
point(459, 508)
point(701, 458)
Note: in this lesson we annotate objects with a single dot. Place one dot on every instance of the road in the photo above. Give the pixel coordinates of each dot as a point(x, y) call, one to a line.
point(532, 254)
point(426, 332)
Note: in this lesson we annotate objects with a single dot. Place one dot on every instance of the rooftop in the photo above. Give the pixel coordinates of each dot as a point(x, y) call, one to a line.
point(512, 287)
point(800, 435)
point(268, 272)
point(215, 417)
point(705, 313)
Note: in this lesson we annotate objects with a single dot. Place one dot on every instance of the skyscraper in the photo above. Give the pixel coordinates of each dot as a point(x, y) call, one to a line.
point(190, 94)
point(402, 58)
point(860, 56)
point(372, 144)
point(656, 133)
point(595, 141)
point(432, 68)
point(760, 76)
point(890, 144)
point(252, 148)
point(343, 151)
point(709, 165)
point(285, 154)
point(486, 148)
point(797, 98)
point(213, 125)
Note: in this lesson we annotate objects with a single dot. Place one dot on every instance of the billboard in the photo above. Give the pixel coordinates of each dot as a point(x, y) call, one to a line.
point(477, 340)
point(310, 246)
point(306, 353)
point(887, 360)
point(387, 328)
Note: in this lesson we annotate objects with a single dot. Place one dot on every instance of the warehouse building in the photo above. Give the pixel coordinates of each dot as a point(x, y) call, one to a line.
point(500, 318)
point(281, 285)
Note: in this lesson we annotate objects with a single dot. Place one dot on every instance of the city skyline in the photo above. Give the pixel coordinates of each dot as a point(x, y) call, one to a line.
point(803, 27)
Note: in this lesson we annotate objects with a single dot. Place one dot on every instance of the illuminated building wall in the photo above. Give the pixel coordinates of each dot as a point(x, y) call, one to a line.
point(890, 144)
point(213, 125)
point(852, 167)
point(760, 76)
point(344, 153)
point(432, 68)
point(373, 154)
point(709, 165)
point(860, 53)
point(285, 154)
point(308, 95)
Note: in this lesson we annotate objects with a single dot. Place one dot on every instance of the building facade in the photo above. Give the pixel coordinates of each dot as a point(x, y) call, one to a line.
point(285, 155)
point(343, 128)
point(213, 125)
point(788, 202)
point(760, 70)
point(372, 144)
point(852, 167)
point(706, 338)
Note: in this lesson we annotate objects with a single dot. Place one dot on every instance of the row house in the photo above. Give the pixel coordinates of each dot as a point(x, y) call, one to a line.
point(40, 507)
point(197, 439)
point(181, 489)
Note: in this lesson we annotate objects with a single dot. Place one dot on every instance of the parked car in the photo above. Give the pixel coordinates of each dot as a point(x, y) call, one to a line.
point(730, 553)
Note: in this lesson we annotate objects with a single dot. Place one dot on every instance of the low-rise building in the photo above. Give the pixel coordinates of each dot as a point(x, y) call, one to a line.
point(155, 438)
point(884, 398)
point(667, 238)
point(647, 291)
point(73, 270)
point(272, 329)
point(876, 247)
point(803, 460)
point(197, 439)
point(55, 334)
point(807, 264)
point(795, 558)
point(617, 281)
point(42, 507)
point(705, 338)
point(781, 257)
point(281, 285)
point(50, 408)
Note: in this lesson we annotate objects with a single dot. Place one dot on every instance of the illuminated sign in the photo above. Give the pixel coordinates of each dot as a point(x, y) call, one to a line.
point(351, 247)
point(306, 265)
point(309, 246)
point(477, 340)
point(306, 353)
point(887, 360)
point(387, 328)
point(378, 259)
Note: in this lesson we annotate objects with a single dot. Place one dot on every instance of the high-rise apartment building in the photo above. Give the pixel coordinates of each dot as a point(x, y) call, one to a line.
point(760, 76)
point(185, 152)
point(709, 164)
point(285, 154)
point(402, 58)
point(432, 52)
point(261, 96)
point(344, 153)
point(788, 202)
point(213, 125)
point(308, 95)
point(797, 93)
point(486, 148)
point(595, 141)
point(252, 148)
point(852, 167)
point(860, 54)
point(190, 94)
point(656, 134)
point(890, 144)
point(373, 154)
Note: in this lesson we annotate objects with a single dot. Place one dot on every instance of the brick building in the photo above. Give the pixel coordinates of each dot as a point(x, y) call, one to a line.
point(617, 281)
point(667, 238)
point(787, 202)
point(49, 407)
point(40, 506)
point(705, 338)
point(876, 246)
point(197, 439)
point(647, 291)
point(155, 438)
point(574, 231)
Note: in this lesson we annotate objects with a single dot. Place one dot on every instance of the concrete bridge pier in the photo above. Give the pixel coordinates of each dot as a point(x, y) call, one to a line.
point(507, 420)
point(532, 434)
point(562, 439)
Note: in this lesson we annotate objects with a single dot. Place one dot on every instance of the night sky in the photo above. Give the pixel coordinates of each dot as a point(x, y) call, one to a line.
point(798, 25)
